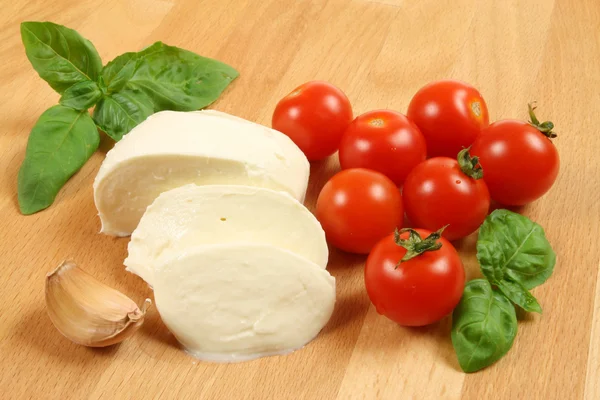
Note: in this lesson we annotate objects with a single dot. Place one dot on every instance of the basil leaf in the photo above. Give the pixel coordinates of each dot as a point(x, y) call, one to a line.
point(81, 96)
point(484, 326)
point(118, 113)
point(61, 56)
point(512, 247)
point(61, 141)
point(117, 72)
point(519, 295)
point(175, 79)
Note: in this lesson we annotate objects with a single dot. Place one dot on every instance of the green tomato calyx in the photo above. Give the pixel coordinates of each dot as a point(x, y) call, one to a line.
point(469, 165)
point(415, 245)
point(544, 127)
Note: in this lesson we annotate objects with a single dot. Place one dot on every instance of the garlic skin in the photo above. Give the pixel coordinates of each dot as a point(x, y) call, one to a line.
point(87, 311)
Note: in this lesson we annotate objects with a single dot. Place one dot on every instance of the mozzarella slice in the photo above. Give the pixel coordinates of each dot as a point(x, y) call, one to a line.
point(194, 215)
point(235, 302)
point(171, 149)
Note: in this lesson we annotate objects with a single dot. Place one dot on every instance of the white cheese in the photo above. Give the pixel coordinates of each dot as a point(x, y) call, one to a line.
point(171, 149)
point(194, 215)
point(235, 302)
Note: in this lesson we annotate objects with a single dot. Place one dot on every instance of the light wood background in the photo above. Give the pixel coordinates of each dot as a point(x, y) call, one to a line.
point(379, 52)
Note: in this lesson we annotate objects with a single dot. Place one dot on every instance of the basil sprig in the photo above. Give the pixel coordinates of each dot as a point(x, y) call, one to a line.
point(124, 93)
point(514, 256)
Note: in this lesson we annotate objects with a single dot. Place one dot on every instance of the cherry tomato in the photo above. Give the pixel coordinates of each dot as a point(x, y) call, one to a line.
point(519, 160)
point(450, 114)
point(439, 192)
point(357, 207)
point(419, 291)
point(384, 141)
point(315, 116)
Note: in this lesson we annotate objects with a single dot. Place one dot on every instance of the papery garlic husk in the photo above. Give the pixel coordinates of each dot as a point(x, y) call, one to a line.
point(87, 311)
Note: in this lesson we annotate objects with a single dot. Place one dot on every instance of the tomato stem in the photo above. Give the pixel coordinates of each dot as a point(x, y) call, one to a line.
point(415, 244)
point(544, 127)
point(469, 165)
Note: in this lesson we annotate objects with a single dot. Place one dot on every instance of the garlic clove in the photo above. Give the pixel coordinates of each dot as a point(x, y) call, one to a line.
point(87, 311)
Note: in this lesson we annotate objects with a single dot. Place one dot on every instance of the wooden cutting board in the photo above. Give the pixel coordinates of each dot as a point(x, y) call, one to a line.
point(379, 52)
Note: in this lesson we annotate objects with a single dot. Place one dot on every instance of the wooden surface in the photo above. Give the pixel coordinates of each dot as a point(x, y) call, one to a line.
point(379, 52)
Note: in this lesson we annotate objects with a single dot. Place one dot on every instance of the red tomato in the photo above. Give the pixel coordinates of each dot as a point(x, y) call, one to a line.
point(450, 114)
point(419, 291)
point(384, 141)
point(315, 116)
point(357, 207)
point(520, 161)
point(438, 193)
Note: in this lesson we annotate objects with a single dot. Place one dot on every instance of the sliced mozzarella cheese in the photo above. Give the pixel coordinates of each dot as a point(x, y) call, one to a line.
point(171, 149)
point(194, 215)
point(235, 302)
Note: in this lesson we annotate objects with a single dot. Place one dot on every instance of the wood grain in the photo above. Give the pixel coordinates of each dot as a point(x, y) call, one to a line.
point(380, 52)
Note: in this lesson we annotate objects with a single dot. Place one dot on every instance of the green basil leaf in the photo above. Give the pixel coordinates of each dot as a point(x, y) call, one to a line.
point(484, 326)
point(61, 141)
point(118, 113)
point(519, 295)
point(81, 96)
point(512, 247)
point(175, 79)
point(117, 73)
point(61, 56)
